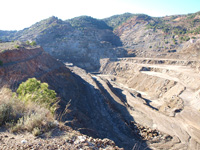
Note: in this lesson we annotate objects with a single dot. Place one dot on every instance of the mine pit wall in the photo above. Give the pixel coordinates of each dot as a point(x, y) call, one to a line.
point(15, 67)
point(167, 84)
point(23, 63)
point(171, 86)
point(159, 78)
point(191, 63)
point(89, 111)
point(20, 54)
point(134, 72)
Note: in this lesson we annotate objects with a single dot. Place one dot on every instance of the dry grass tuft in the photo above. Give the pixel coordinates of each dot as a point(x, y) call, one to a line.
point(20, 116)
point(11, 109)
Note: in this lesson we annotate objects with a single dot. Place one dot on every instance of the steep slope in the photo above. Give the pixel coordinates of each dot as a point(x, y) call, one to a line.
point(82, 40)
point(169, 92)
point(92, 111)
point(6, 35)
point(85, 40)
point(116, 20)
point(149, 36)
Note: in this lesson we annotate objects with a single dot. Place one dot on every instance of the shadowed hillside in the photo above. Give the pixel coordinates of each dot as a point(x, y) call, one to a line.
point(82, 40)
point(85, 40)
point(91, 109)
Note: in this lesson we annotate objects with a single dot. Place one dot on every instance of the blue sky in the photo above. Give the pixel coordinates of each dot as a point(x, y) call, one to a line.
point(19, 14)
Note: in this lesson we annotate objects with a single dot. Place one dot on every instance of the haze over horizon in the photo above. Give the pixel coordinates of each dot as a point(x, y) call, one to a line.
point(17, 15)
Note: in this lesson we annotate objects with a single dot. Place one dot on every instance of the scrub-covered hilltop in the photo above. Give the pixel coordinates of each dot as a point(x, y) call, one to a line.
point(85, 40)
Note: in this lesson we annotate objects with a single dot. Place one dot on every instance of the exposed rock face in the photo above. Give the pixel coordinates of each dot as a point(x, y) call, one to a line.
point(85, 40)
point(140, 40)
point(169, 94)
point(92, 110)
point(82, 41)
point(147, 36)
point(21, 64)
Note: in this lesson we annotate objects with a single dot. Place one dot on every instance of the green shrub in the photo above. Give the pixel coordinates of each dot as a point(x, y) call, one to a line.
point(196, 31)
point(17, 46)
point(33, 43)
point(174, 41)
point(159, 25)
point(5, 113)
point(1, 63)
point(35, 91)
point(191, 16)
point(117, 20)
point(27, 43)
point(143, 17)
point(178, 30)
point(185, 38)
point(166, 42)
point(20, 116)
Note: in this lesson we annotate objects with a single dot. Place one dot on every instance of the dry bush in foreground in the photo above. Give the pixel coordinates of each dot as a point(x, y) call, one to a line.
point(19, 115)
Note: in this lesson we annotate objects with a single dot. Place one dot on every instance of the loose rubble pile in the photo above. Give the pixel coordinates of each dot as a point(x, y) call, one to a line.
point(152, 136)
point(58, 140)
point(143, 132)
point(88, 143)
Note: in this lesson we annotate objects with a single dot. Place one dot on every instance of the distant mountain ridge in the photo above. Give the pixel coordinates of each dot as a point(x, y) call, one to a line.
point(87, 21)
point(82, 40)
point(145, 35)
point(85, 40)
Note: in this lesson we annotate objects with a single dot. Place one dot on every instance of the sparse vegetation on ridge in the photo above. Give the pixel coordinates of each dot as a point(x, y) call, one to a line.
point(9, 45)
point(83, 22)
point(32, 43)
point(184, 38)
point(117, 20)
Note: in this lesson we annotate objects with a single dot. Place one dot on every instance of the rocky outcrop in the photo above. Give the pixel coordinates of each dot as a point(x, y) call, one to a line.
point(82, 40)
point(85, 40)
point(147, 36)
point(23, 63)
